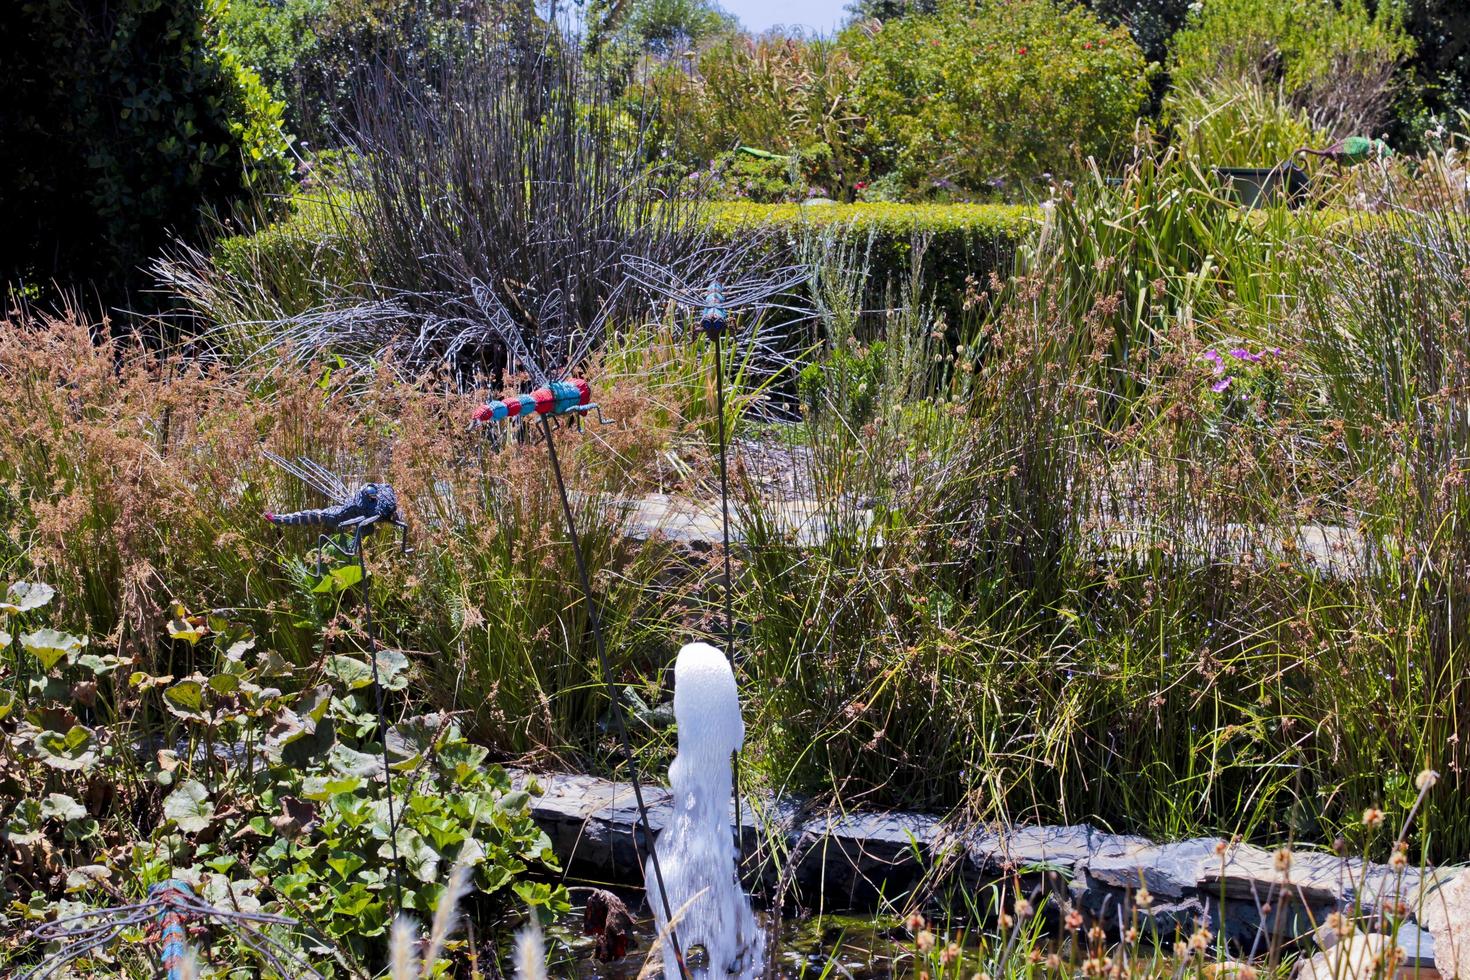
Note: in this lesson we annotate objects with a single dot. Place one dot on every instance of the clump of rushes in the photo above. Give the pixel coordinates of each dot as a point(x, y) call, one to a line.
point(1059, 577)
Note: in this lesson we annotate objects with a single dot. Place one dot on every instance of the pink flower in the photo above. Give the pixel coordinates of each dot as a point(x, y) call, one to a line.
point(1242, 354)
point(1213, 356)
point(1222, 384)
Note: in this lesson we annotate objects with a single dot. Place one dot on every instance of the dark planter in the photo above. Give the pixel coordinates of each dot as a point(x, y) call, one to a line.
point(1260, 187)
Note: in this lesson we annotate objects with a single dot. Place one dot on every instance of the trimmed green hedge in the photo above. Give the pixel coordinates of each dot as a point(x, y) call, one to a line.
point(292, 258)
point(964, 240)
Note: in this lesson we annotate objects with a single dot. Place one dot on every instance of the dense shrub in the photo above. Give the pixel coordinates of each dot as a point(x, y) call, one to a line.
point(314, 54)
point(1241, 124)
point(1334, 59)
point(121, 121)
point(997, 90)
point(1151, 22)
point(1438, 77)
point(780, 94)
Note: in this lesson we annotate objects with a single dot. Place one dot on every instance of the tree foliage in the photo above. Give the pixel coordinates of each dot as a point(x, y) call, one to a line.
point(1334, 58)
point(995, 89)
point(121, 121)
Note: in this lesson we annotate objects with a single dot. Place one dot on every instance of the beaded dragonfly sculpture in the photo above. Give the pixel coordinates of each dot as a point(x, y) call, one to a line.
point(553, 397)
point(357, 512)
point(166, 917)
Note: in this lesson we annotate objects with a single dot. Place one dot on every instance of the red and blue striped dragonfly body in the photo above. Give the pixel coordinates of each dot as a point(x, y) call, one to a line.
point(570, 397)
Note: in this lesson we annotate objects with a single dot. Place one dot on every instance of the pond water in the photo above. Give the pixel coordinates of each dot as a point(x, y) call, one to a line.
point(822, 946)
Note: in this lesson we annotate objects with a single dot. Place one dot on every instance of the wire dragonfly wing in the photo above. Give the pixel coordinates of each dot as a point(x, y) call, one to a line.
point(108, 925)
point(690, 281)
point(314, 475)
point(499, 321)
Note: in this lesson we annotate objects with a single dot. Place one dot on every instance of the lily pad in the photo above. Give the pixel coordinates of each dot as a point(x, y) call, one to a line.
point(49, 645)
point(189, 807)
point(59, 806)
point(185, 699)
point(25, 596)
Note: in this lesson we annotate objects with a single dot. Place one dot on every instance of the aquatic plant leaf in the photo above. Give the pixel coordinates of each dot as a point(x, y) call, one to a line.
point(350, 762)
point(392, 669)
point(324, 787)
point(224, 683)
point(412, 737)
point(350, 671)
point(72, 749)
point(25, 596)
point(49, 645)
point(87, 876)
point(185, 699)
point(7, 703)
point(189, 807)
point(59, 806)
point(190, 629)
point(418, 856)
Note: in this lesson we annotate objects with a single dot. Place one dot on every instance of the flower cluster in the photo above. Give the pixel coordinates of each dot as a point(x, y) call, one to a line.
point(1241, 356)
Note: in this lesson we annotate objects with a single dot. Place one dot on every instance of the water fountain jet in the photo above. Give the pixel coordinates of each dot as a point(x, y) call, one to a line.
point(696, 849)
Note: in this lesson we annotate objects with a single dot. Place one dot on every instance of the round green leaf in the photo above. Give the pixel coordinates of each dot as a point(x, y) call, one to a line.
point(25, 596)
point(49, 645)
point(70, 750)
point(189, 807)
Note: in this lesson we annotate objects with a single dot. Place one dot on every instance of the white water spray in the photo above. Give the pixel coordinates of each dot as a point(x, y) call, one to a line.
point(696, 850)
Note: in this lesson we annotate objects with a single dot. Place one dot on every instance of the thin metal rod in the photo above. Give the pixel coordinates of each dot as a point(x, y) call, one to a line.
point(724, 500)
point(729, 582)
point(367, 617)
point(594, 619)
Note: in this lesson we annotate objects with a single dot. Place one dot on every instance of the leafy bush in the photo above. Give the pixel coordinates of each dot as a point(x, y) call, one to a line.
point(315, 54)
point(1151, 22)
point(122, 120)
point(1336, 60)
point(786, 95)
point(995, 92)
point(659, 27)
point(1441, 33)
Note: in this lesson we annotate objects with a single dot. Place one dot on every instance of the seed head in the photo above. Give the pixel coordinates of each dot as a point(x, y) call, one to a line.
point(1372, 817)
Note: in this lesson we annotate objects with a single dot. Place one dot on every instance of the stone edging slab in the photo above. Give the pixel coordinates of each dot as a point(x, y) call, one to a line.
point(851, 861)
